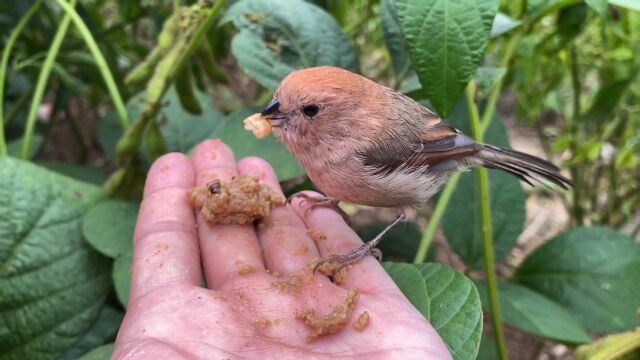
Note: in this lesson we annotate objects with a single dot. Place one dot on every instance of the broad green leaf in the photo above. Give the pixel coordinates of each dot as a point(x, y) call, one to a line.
point(279, 36)
point(400, 244)
point(243, 144)
point(102, 353)
point(629, 4)
point(394, 40)
point(449, 300)
point(90, 174)
point(624, 346)
point(122, 277)
point(503, 23)
point(52, 283)
point(456, 311)
point(599, 6)
point(108, 226)
point(529, 311)
point(593, 272)
point(103, 330)
point(446, 41)
point(411, 283)
point(14, 148)
point(462, 220)
point(182, 130)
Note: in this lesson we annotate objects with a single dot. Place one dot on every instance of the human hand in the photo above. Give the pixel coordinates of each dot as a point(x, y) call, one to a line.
point(241, 313)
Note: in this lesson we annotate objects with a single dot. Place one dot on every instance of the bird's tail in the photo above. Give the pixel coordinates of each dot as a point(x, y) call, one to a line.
point(524, 166)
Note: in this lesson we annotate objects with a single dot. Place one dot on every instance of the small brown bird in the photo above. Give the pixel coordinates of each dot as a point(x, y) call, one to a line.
point(364, 143)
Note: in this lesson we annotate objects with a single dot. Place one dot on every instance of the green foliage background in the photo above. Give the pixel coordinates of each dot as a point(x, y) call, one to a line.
point(134, 80)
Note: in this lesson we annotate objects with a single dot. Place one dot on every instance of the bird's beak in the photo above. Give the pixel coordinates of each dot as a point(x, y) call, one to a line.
point(273, 114)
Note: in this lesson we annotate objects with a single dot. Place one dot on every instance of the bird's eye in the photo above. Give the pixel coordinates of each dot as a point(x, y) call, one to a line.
point(310, 110)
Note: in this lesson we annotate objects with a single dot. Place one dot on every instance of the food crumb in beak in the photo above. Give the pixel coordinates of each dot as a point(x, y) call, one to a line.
point(259, 125)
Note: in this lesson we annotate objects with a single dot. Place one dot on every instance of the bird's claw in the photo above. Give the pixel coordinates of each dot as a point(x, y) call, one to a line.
point(319, 201)
point(332, 265)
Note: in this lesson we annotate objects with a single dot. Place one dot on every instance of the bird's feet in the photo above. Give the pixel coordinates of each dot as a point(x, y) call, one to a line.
point(332, 265)
point(319, 201)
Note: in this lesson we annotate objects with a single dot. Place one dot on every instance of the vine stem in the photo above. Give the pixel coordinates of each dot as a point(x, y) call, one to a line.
point(101, 62)
point(490, 109)
point(4, 65)
point(436, 217)
point(41, 84)
point(487, 229)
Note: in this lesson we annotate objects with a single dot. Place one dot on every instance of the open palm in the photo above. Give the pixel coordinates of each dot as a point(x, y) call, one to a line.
point(246, 311)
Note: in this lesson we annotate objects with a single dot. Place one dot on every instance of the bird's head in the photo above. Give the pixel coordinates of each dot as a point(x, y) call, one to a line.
point(324, 107)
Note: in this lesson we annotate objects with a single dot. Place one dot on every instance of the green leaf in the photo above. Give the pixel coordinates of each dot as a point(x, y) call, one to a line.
point(446, 41)
point(90, 174)
point(411, 283)
point(102, 353)
point(52, 284)
point(243, 144)
point(599, 6)
point(279, 36)
point(394, 40)
point(629, 4)
point(122, 277)
point(14, 148)
point(462, 220)
point(401, 243)
point(529, 311)
point(182, 130)
point(453, 305)
point(570, 21)
point(456, 311)
point(502, 24)
point(103, 330)
point(618, 346)
point(109, 226)
point(536, 9)
point(606, 101)
point(593, 272)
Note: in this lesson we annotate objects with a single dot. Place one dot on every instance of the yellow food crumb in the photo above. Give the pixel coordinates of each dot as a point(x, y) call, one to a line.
point(260, 126)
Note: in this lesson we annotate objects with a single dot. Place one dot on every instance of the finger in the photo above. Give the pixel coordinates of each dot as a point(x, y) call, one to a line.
point(165, 245)
point(226, 249)
point(287, 247)
point(334, 237)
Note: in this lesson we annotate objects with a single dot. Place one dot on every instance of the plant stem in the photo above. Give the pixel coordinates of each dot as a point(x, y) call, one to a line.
point(99, 59)
point(436, 217)
point(5, 64)
point(577, 211)
point(487, 230)
point(41, 84)
point(490, 109)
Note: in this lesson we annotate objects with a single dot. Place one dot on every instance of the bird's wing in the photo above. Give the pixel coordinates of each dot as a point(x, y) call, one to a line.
point(436, 149)
point(441, 142)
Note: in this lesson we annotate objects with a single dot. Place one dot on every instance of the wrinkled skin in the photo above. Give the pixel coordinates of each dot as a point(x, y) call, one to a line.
point(242, 314)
